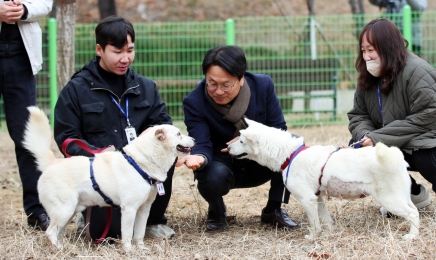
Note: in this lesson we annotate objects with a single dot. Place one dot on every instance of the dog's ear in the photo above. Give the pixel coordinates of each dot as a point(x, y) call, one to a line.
point(160, 134)
point(249, 135)
point(252, 137)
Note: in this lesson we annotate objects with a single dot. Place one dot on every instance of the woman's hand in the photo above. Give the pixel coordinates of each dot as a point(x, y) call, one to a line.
point(366, 141)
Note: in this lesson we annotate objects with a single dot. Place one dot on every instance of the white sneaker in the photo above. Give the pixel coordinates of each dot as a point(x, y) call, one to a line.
point(159, 231)
point(421, 200)
point(80, 221)
point(383, 212)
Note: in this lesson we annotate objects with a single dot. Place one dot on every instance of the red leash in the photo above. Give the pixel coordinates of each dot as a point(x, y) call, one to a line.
point(82, 145)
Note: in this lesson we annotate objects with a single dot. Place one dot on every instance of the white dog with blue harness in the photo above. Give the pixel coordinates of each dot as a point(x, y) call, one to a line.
point(128, 181)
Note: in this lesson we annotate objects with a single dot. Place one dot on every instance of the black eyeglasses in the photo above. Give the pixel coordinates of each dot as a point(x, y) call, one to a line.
point(226, 87)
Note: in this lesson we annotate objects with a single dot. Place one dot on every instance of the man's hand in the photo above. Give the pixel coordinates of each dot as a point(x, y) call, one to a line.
point(226, 150)
point(193, 162)
point(11, 11)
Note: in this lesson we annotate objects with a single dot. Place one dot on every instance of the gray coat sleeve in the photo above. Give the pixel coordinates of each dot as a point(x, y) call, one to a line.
point(360, 120)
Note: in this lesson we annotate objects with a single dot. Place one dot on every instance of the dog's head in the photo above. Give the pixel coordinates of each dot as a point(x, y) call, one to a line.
point(171, 136)
point(266, 145)
point(155, 150)
point(247, 146)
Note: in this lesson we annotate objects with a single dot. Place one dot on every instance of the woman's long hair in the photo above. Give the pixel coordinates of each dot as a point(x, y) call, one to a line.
point(390, 45)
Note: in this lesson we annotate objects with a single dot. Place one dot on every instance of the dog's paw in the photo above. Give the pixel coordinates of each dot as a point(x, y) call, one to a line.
point(127, 247)
point(309, 237)
point(409, 237)
point(330, 228)
point(142, 247)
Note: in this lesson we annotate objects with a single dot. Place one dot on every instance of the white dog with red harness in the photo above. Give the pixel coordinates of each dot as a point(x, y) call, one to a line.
point(310, 173)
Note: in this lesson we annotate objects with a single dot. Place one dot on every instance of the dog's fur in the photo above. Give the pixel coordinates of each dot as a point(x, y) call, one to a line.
point(65, 187)
point(348, 173)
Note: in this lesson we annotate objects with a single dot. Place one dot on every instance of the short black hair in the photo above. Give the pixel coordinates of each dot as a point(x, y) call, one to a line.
point(230, 57)
point(113, 30)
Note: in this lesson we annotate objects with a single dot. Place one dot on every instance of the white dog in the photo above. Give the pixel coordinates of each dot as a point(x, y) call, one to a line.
point(65, 187)
point(320, 171)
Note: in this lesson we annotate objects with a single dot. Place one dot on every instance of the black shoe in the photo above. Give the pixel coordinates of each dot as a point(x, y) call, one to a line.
point(42, 221)
point(280, 218)
point(215, 223)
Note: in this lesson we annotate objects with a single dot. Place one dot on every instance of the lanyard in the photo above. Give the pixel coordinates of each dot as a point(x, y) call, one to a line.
point(126, 114)
point(380, 103)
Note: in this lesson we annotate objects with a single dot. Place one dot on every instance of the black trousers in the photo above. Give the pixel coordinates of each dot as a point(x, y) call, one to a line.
point(18, 90)
point(424, 162)
point(218, 178)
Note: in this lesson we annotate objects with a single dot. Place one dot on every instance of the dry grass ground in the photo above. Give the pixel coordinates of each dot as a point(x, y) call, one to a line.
point(361, 233)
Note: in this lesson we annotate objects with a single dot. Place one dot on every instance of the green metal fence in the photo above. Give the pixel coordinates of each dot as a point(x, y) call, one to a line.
point(311, 59)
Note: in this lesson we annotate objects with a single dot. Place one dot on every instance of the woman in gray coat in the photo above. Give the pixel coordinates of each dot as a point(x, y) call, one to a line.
point(395, 101)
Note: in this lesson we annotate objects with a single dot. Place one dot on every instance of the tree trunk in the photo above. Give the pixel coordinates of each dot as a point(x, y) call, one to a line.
point(107, 8)
point(310, 7)
point(53, 10)
point(358, 15)
point(66, 21)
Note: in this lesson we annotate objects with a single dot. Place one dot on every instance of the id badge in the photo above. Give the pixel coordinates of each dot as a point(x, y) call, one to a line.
point(130, 133)
point(160, 188)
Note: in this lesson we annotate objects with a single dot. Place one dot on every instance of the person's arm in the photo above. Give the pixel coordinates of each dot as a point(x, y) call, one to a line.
point(379, 3)
point(68, 122)
point(417, 5)
point(360, 120)
point(11, 12)
point(160, 113)
point(274, 112)
point(36, 9)
point(198, 128)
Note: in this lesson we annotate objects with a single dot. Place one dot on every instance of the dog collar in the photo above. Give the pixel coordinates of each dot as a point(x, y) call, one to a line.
point(139, 170)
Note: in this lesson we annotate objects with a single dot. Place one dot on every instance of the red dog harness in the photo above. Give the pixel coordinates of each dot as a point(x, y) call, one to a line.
point(291, 158)
point(295, 153)
point(322, 171)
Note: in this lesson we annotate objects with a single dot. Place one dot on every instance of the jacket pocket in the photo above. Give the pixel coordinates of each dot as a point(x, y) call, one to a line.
point(143, 104)
point(93, 118)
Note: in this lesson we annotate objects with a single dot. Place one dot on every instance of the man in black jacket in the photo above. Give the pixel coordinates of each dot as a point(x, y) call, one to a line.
point(104, 104)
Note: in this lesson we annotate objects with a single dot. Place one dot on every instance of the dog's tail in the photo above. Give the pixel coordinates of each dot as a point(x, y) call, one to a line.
point(37, 137)
point(390, 157)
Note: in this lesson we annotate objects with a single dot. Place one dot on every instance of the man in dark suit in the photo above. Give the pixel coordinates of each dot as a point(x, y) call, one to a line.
point(214, 114)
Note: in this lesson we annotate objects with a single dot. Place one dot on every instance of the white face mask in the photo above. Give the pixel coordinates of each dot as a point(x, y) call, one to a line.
point(373, 67)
